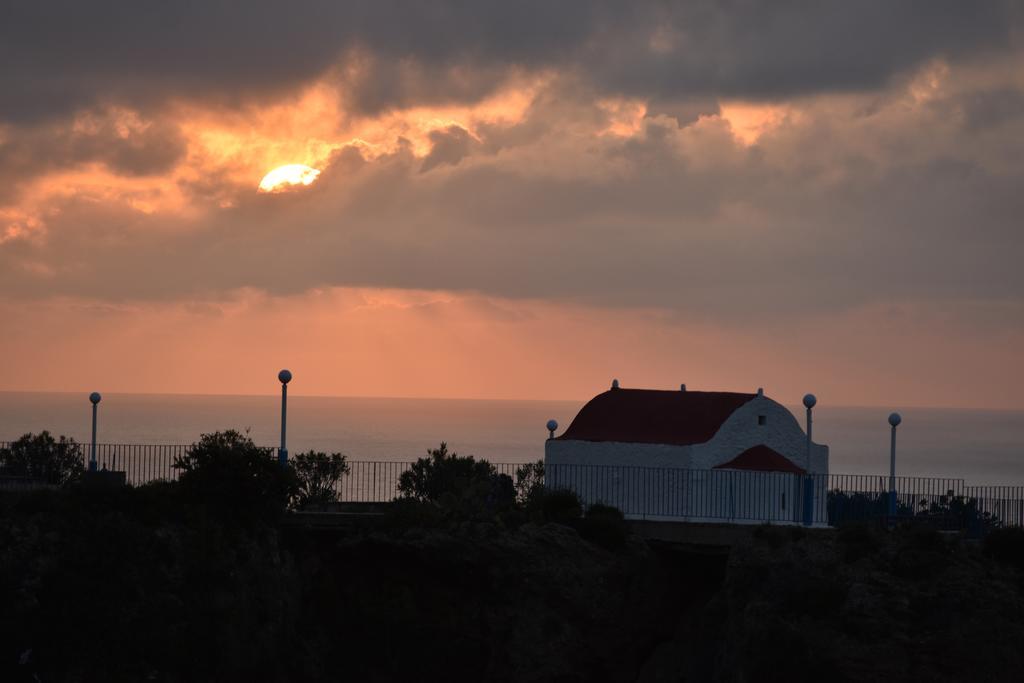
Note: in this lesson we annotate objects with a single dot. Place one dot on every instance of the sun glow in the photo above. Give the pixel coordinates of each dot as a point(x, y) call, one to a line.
point(750, 121)
point(288, 176)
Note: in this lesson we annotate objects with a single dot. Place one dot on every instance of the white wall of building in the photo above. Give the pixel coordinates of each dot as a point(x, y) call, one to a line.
point(630, 476)
point(689, 494)
point(741, 431)
point(562, 452)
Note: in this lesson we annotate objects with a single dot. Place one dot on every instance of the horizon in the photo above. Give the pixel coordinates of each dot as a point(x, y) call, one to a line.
point(795, 403)
point(980, 446)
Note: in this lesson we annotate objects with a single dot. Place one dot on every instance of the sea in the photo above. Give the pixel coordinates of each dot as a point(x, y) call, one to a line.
point(981, 447)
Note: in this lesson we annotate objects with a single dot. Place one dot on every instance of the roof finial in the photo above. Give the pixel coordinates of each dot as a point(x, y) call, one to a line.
point(615, 384)
point(682, 387)
point(552, 426)
point(760, 391)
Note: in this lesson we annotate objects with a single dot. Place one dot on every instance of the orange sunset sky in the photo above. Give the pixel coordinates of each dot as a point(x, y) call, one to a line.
point(515, 200)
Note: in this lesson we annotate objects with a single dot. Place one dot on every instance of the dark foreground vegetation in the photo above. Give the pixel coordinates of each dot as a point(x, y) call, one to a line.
point(472, 576)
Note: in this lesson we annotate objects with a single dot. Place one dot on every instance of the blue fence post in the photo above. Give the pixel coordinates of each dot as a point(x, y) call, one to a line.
point(808, 501)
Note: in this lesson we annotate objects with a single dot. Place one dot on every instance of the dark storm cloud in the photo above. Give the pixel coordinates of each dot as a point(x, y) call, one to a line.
point(904, 192)
point(680, 219)
point(990, 108)
point(56, 57)
point(134, 148)
point(448, 146)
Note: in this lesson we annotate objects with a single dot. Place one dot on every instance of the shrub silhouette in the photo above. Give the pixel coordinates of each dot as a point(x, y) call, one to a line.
point(40, 456)
point(227, 470)
point(561, 506)
point(442, 473)
point(949, 511)
point(776, 536)
point(604, 525)
point(445, 486)
point(317, 475)
point(858, 540)
point(462, 486)
point(529, 481)
point(1006, 545)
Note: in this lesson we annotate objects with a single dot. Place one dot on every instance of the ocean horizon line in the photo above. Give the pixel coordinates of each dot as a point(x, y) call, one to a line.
point(363, 397)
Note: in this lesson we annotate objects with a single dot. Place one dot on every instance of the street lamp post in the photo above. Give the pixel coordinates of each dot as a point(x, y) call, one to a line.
point(894, 420)
point(550, 473)
point(810, 400)
point(284, 377)
point(94, 398)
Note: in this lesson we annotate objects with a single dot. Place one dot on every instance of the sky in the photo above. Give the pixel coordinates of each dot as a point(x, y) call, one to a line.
point(516, 199)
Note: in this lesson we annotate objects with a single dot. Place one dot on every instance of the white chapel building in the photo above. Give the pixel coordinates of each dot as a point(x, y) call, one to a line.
point(699, 455)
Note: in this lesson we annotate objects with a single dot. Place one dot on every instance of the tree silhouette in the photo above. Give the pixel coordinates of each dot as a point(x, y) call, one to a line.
point(227, 470)
point(459, 485)
point(317, 476)
point(40, 456)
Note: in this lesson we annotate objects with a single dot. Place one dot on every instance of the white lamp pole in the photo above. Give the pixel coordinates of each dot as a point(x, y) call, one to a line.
point(894, 420)
point(810, 400)
point(94, 398)
point(284, 377)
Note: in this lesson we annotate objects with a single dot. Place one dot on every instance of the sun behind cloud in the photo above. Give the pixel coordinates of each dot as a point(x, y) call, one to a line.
point(287, 177)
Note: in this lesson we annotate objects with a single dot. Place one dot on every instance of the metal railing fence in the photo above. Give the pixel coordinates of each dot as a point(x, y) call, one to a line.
point(367, 481)
point(662, 492)
point(370, 481)
point(141, 463)
point(1002, 503)
point(821, 500)
point(847, 498)
point(673, 493)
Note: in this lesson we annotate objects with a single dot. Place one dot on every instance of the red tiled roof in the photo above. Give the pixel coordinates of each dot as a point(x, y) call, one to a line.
point(764, 459)
point(679, 418)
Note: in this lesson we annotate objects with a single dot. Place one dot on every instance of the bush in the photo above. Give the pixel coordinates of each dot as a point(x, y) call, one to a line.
point(40, 456)
point(441, 474)
point(462, 486)
point(406, 513)
point(227, 470)
point(605, 526)
point(561, 506)
point(317, 475)
point(1006, 546)
point(858, 540)
point(529, 481)
point(772, 535)
point(921, 552)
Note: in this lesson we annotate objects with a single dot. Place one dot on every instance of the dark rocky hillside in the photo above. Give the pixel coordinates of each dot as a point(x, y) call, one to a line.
point(137, 585)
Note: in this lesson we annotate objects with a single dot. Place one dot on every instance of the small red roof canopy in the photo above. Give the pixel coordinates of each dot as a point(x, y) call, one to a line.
point(680, 418)
point(763, 459)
